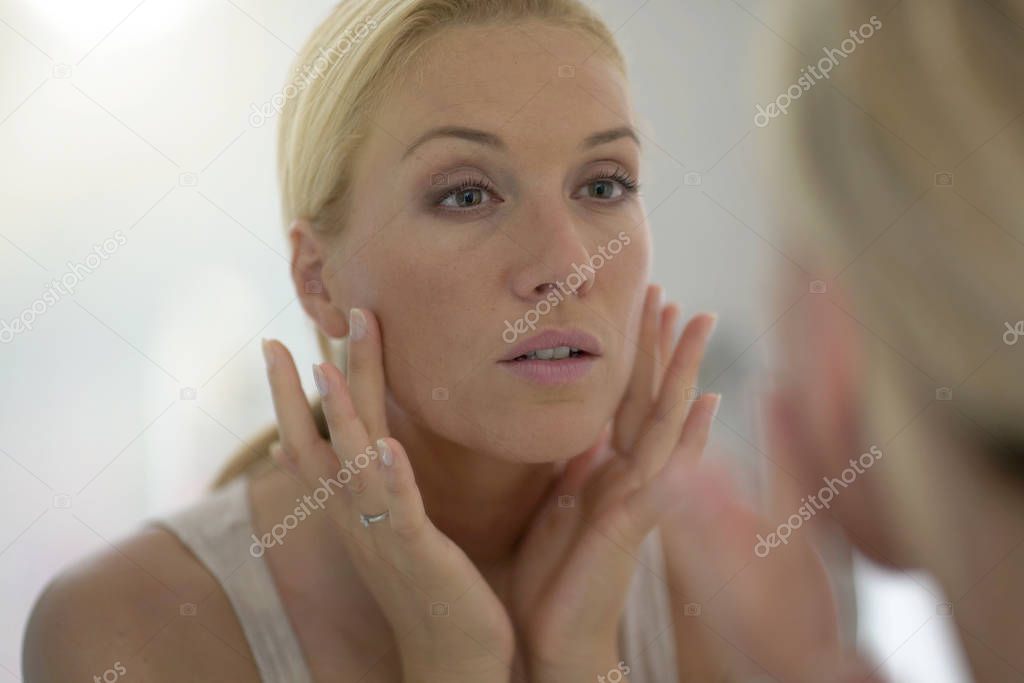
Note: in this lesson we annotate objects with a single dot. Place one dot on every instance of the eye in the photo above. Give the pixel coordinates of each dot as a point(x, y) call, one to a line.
point(611, 186)
point(466, 196)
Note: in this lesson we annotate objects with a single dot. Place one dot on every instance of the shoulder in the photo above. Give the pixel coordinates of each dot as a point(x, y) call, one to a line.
point(135, 608)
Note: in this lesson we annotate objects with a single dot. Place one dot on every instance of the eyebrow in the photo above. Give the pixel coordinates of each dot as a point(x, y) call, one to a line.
point(482, 137)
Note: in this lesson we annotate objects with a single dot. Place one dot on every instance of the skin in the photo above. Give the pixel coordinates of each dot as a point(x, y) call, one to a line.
point(483, 465)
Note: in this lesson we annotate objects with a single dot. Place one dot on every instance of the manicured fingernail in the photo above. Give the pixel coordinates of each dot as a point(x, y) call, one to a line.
point(319, 379)
point(356, 324)
point(268, 353)
point(386, 455)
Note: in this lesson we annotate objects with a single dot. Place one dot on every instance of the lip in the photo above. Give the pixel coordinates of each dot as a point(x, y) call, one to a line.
point(549, 339)
point(551, 372)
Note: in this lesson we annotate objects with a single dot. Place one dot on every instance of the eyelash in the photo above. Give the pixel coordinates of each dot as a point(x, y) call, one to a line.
point(630, 186)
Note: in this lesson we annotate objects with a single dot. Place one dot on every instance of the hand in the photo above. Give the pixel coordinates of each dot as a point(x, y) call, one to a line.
point(777, 612)
point(405, 561)
point(575, 563)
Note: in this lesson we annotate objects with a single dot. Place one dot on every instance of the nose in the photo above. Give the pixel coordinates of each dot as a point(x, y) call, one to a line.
point(555, 256)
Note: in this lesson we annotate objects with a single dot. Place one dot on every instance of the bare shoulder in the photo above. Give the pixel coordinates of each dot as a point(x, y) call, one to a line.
point(144, 608)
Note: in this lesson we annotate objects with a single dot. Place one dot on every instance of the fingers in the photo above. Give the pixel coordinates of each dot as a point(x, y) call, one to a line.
point(355, 452)
point(666, 335)
point(644, 506)
point(662, 428)
point(636, 403)
point(408, 516)
point(696, 429)
point(365, 372)
point(348, 435)
point(295, 425)
point(778, 608)
point(377, 475)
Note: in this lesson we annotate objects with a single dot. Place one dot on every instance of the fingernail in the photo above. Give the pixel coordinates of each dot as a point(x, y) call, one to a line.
point(718, 402)
point(356, 324)
point(268, 353)
point(386, 456)
point(714, 323)
point(319, 379)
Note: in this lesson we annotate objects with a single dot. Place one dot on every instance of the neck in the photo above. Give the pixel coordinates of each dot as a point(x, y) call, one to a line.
point(482, 503)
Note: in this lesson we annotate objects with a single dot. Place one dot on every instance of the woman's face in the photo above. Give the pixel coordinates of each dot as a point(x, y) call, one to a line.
point(453, 239)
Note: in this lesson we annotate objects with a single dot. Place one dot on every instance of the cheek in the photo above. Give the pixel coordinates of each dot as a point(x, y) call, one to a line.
point(629, 269)
point(428, 308)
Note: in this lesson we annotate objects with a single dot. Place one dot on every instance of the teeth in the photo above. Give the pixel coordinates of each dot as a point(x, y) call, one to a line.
point(556, 353)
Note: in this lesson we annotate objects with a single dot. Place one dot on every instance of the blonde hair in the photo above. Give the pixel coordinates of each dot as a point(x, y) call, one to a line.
point(919, 122)
point(347, 68)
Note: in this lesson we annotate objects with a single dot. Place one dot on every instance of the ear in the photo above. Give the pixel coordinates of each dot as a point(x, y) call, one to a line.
point(308, 256)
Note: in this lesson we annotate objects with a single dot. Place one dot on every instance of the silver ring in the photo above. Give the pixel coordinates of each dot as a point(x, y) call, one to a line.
point(367, 520)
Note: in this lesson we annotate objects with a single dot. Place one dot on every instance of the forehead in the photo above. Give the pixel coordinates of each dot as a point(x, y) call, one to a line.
point(535, 85)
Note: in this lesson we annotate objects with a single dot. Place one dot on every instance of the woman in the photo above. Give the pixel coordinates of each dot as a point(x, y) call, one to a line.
point(899, 190)
point(455, 507)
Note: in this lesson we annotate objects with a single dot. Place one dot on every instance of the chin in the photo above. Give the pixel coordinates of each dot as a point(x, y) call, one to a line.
point(550, 433)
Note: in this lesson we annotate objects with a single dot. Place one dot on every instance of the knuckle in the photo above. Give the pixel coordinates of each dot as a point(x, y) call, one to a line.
point(410, 530)
point(358, 485)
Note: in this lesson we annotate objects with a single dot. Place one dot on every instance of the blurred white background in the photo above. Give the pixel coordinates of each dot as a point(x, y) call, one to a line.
point(127, 395)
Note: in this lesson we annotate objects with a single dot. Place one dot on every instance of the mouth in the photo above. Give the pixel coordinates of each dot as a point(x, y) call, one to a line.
point(550, 354)
point(554, 356)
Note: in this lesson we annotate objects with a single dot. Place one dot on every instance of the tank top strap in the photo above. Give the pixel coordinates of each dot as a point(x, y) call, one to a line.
point(218, 530)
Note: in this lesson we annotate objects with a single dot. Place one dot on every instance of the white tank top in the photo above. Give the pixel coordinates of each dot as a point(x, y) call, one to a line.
point(218, 530)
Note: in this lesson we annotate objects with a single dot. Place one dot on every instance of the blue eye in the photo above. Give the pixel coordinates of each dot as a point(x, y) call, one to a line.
point(628, 184)
point(466, 191)
point(472, 193)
